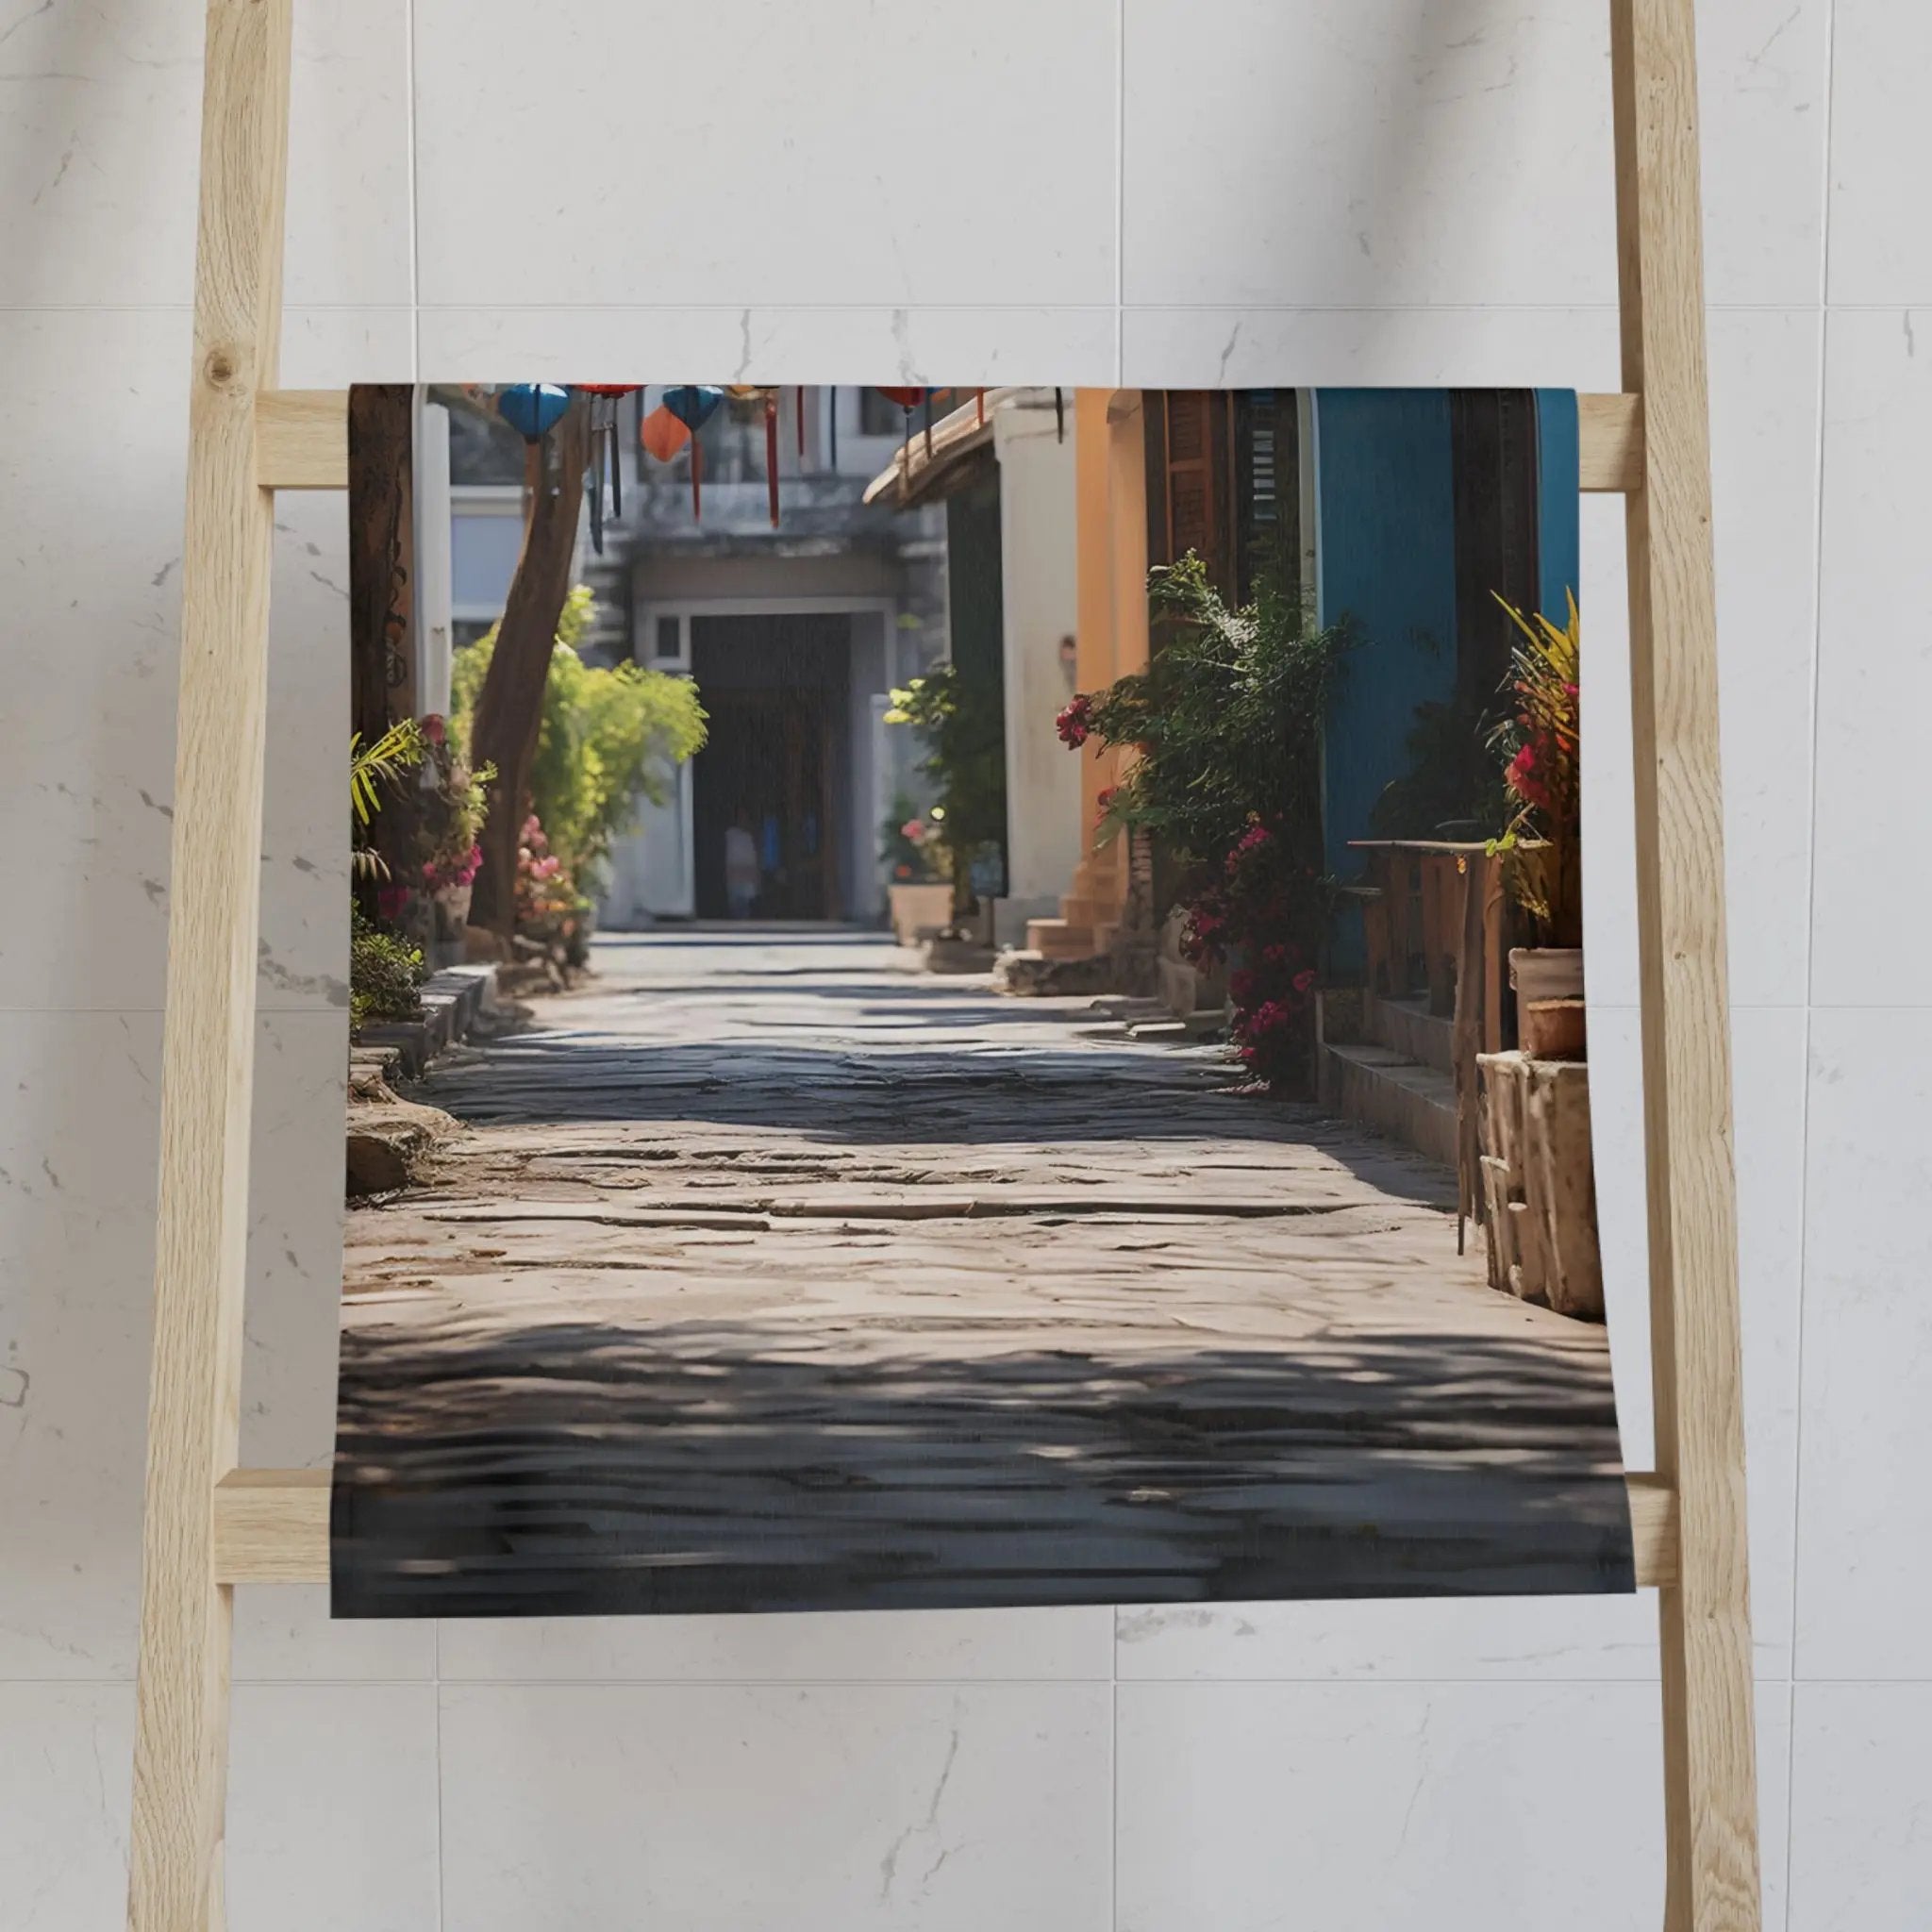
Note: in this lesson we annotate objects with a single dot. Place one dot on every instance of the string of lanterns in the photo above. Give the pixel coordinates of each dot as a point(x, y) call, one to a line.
point(534, 408)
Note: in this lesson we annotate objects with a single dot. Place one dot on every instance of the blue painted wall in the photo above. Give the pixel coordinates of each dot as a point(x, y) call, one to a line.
point(1558, 541)
point(1385, 544)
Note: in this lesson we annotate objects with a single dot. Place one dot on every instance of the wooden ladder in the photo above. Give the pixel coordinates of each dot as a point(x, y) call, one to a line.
point(210, 1524)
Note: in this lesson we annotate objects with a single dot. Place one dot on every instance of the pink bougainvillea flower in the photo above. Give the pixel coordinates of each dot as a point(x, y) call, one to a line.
point(1075, 720)
point(434, 729)
point(1303, 980)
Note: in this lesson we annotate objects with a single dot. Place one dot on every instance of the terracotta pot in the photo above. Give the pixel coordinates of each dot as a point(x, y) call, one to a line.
point(1546, 973)
point(919, 910)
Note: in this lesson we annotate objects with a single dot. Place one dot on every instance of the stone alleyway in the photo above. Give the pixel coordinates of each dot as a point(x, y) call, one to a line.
point(775, 1273)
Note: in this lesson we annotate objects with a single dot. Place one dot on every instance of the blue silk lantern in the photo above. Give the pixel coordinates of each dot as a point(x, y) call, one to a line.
point(533, 409)
point(694, 404)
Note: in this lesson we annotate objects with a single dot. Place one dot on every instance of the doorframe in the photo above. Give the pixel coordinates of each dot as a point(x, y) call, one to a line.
point(645, 615)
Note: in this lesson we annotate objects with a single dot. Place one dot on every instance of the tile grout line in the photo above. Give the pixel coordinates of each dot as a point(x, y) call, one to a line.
point(1116, 304)
point(436, 1696)
point(415, 198)
point(1810, 955)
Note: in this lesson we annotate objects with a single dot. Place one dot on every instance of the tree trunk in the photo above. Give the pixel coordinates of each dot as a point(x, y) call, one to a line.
point(380, 587)
point(510, 708)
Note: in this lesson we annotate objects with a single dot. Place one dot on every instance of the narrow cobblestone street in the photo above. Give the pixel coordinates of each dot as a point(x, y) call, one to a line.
point(776, 1273)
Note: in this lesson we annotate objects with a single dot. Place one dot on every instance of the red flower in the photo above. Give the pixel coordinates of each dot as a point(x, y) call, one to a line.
point(433, 728)
point(1075, 720)
point(1522, 779)
point(1303, 980)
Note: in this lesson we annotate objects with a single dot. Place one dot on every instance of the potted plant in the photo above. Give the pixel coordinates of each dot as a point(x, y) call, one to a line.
point(451, 804)
point(964, 731)
point(1221, 737)
point(1538, 745)
point(918, 893)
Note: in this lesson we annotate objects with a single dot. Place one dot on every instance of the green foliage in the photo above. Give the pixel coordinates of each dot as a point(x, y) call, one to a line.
point(385, 972)
point(609, 739)
point(1539, 744)
point(1225, 720)
point(398, 750)
point(961, 723)
point(372, 770)
point(1223, 737)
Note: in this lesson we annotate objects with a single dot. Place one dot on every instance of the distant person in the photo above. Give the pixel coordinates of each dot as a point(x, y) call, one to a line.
point(741, 874)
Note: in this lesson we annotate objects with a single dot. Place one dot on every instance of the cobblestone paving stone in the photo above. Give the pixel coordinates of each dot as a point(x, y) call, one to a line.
point(775, 1273)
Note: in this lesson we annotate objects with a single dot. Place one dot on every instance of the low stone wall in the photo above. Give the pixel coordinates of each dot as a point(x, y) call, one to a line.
point(389, 1137)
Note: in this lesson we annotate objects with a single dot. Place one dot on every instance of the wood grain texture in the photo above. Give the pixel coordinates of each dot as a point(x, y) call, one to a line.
point(180, 1747)
point(302, 439)
point(1610, 442)
point(302, 442)
point(272, 1526)
point(1710, 1774)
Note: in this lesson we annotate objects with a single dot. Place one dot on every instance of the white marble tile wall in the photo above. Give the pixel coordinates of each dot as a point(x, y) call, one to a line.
point(1166, 190)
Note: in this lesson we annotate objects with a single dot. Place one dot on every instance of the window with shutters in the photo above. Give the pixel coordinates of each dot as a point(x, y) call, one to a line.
point(1268, 514)
point(1224, 480)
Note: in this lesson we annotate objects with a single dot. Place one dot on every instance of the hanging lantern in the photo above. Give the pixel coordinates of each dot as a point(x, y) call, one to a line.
point(772, 453)
point(662, 435)
point(533, 409)
point(604, 399)
point(753, 392)
point(908, 400)
point(694, 405)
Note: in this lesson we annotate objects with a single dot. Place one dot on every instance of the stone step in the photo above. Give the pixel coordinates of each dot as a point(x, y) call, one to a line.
point(1393, 1093)
point(1082, 908)
point(1408, 1028)
point(1055, 938)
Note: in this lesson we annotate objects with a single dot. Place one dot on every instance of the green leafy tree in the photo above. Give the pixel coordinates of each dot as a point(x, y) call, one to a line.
point(960, 723)
point(1224, 726)
point(1223, 737)
point(609, 741)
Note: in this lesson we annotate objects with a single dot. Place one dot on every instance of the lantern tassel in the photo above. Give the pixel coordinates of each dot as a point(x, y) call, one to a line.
point(1059, 415)
point(801, 425)
point(979, 407)
point(772, 453)
point(697, 477)
point(616, 444)
point(832, 426)
point(597, 484)
point(928, 425)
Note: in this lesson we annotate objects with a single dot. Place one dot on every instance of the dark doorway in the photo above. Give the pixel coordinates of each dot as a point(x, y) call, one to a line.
point(1493, 450)
point(765, 815)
